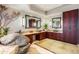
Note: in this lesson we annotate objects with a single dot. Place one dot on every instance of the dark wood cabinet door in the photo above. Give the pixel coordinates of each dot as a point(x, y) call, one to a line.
point(30, 37)
point(78, 29)
point(69, 26)
point(42, 35)
point(66, 32)
point(73, 32)
point(55, 36)
point(60, 36)
point(50, 35)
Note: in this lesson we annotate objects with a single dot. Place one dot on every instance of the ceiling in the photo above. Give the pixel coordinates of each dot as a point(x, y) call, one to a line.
point(43, 9)
point(40, 8)
point(47, 7)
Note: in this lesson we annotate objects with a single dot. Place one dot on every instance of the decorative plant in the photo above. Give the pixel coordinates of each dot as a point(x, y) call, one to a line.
point(6, 31)
point(45, 26)
point(3, 31)
point(6, 18)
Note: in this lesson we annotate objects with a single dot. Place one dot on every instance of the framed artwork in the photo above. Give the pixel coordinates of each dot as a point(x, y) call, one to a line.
point(56, 22)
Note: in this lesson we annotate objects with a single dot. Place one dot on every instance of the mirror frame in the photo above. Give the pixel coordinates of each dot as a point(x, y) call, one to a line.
point(26, 16)
point(55, 21)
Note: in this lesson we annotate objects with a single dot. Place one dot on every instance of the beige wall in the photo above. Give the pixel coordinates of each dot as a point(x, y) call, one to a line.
point(16, 25)
point(49, 21)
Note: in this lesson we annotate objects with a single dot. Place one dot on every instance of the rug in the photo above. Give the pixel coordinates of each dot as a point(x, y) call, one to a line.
point(35, 49)
point(58, 47)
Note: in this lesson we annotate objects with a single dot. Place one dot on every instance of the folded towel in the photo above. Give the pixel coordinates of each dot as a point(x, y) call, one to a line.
point(14, 39)
point(8, 38)
point(20, 40)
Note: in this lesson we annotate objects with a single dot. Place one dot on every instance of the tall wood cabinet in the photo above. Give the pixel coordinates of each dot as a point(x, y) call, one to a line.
point(70, 26)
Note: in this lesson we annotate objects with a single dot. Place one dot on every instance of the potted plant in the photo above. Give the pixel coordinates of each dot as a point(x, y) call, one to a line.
point(6, 30)
point(3, 31)
point(45, 27)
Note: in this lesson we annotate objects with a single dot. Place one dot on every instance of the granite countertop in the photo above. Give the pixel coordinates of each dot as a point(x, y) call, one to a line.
point(31, 33)
point(40, 31)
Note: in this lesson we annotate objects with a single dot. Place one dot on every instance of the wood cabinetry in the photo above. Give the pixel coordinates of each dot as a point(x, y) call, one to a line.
point(70, 25)
point(59, 36)
point(41, 36)
point(56, 36)
point(30, 37)
point(36, 36)
point(70, 29)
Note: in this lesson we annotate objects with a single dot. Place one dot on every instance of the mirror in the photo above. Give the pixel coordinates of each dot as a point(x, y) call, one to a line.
point(32, 22)
point(56, 22)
